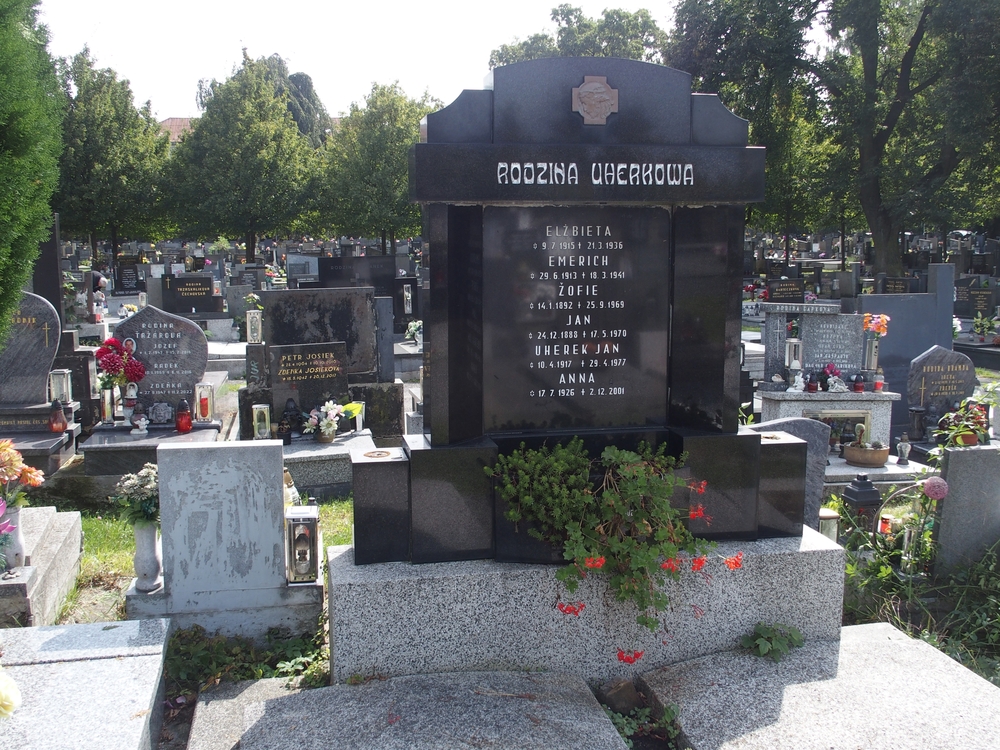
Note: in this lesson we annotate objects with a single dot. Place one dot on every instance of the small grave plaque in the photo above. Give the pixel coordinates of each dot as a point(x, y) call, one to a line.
point(250, 277)
point(786, 290)
point(981, 301)
point(309, 373)
point(173, 349)
point(128, 278)
point(832, 338)
point(938, 379)
point(899, 285)
point(963, 302)
point(27, 355)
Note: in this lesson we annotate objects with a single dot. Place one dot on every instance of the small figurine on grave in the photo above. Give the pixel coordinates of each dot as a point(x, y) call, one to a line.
point(140, 423)
point(285, 431)
point(293, 416)
point(798, 384)
point(836, 385)
point(138, 412)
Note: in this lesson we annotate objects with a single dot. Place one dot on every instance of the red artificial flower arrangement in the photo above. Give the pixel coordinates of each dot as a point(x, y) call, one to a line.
point(118, 364)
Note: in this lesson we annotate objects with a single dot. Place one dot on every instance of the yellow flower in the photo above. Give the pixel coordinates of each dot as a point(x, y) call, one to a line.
point(10, 695)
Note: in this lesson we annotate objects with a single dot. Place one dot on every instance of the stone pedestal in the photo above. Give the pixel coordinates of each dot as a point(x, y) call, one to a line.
point(969, 517)
point(784, 404)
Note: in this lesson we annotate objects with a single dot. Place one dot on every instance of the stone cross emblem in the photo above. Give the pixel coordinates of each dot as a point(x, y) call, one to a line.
point(595, 100)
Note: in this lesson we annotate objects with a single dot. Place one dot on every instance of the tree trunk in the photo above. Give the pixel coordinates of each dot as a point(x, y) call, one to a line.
point(93, 247)
point(251, 239)
point(114, 244)
point(392, 242)
point(383, 242)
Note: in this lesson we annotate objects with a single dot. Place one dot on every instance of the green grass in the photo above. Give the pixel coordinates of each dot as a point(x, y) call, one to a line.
point(108, 547)
point(335, 520)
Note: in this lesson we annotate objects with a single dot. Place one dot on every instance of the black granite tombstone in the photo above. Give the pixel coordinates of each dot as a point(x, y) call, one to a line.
point(27, 354)
point(190, 293)
point(128, 279)
point(963, 299)
point(585, 273)
point(982, 301)
point(788, 291)
point(939, 379)
point(310, 374)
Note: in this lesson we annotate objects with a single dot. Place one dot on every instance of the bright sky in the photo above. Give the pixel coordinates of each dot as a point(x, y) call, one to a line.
point(441, 46)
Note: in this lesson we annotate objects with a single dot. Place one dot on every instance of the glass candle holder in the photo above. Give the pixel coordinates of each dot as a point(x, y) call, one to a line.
point(61, 386)
point(57, 420)
point(261, 421)
point(182, 422)
point(204, 402)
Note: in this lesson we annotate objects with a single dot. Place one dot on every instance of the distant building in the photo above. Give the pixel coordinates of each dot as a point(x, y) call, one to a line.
point(176, 127)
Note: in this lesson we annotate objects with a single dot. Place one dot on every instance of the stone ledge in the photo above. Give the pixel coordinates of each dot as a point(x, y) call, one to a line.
point(860, 692)
point(395, 618)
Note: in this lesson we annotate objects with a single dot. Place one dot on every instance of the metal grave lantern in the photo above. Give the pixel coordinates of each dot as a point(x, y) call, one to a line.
point(255, 326)
point(301, 543)
point(61, 386)
point(204, 402)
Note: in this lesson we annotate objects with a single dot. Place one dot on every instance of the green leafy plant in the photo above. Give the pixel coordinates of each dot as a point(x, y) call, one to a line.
point(746, 413)
point(640, 722)
point(414, 327)
point(971, 416)
point(983, 326)
point(623, 524)
point(773, 641)
point(138, 496)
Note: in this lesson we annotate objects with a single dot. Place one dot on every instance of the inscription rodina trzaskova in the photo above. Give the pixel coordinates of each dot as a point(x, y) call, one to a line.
point(577, 299)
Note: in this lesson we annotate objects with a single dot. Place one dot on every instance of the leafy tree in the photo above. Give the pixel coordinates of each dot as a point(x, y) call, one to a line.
point(367, 187)
point(617, 33)
point(112, 159)
point(30, 115)
point(243, 168)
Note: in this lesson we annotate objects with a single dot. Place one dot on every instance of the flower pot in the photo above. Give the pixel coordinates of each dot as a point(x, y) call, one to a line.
point(107, 406)
point(321, 438)
point(967, 439)
point(871, 354)
point(14, 550)
point(148, 558)
point(869, 458)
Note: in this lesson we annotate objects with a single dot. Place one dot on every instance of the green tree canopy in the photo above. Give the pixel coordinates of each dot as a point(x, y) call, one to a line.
point(617, 33)
point(367, 185)
point(244, 167)
point(113, 156)
point(30, 116)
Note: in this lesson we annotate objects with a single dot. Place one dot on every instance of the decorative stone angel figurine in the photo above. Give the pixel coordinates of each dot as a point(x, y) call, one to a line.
point(798, 384)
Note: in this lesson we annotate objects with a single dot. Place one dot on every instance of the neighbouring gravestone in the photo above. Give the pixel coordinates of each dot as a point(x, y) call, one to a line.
point(27, 355)
point(174, 351)
point(310, 374)
point(839, 339)
point(128, 279)
point(901, 285)
point(250, 276)
point(789, 291)
point(939, 378)
point(322, 316)
point(86, 386)
point(982, 301)
point(190, 293)
point(378, 271)
point(963, 300)
point(581, 257)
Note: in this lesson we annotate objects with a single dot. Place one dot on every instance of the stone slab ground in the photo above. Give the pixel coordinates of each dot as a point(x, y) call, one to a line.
point(876, 689)
point(420, 712)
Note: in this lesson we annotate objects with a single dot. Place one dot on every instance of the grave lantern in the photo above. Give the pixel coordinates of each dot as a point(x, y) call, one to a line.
point(143, 299)
point(301, 543)
point(863, 498)
point(255, 326)
point(57, 419)
point(793, 353)
point(204, 401)
point(61, 386)
point(261, 421)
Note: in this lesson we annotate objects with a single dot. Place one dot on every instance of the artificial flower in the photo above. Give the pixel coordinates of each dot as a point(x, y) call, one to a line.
point(10, 695)
point(935, 488)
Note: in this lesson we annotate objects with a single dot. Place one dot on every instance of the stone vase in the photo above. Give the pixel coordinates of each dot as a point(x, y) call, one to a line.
point(321, 438)
point(148, 558)
point(14, 550)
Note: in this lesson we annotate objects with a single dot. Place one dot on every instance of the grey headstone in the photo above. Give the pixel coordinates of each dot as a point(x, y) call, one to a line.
point(383, 322)
point(235, 295)
point(832, 338)
point(26, 358)
point(317, 316)
point(969, 516)
point(938, 378)
point(174, 351)
point(817, 437)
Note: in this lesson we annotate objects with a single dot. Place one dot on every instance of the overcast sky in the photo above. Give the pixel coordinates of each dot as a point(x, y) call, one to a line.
point(441, 46)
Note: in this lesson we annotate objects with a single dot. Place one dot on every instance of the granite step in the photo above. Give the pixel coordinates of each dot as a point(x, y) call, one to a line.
point(876, 688)
point(515, 710)
point(53, 543)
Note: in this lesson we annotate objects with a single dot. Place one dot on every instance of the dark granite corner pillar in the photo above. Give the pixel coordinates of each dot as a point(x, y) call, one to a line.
point(453, 406)
point(381, 505)
point(706, 321)
point(782, 492)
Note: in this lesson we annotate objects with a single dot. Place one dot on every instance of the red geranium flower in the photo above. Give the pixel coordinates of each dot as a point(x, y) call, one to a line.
point(594, 562)
point(672, 564)
point(698, 563)
point(734, 562)
point(629, 657)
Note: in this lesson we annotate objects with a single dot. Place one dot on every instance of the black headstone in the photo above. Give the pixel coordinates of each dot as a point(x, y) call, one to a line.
point(963, 300)
point(128, 279)
point(788, 291)
point(939, 378)
point(190, 293)
point(981, 301)
point(311, 374)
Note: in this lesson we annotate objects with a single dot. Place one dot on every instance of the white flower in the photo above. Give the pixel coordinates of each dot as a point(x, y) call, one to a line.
point(10, 695)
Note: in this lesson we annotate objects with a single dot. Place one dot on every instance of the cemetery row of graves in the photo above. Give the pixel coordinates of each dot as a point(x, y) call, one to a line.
point(573, 337)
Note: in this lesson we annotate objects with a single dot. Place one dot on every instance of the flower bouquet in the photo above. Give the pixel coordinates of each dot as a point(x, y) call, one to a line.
point(14, 477)
point(324, 420)
point(877, 324)
point(118, 364)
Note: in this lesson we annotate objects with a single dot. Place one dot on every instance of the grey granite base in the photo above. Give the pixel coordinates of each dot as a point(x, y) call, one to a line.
point(783, 405)
point(396, 619)
point(86, 687)
point(421, 712)
point(315, 464)
point(875, 689)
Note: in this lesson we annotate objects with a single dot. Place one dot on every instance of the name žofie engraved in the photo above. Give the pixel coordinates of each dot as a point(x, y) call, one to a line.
point(579, 296)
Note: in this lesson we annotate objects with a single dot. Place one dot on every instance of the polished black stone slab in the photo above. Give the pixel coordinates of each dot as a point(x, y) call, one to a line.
point(730, 464)
point(247, 397)
point(257, 364)
point(705, 335)
point(576, 316)
point(189, 293)
point(782, 489)
point(451, 500)
point(27, 354)
point(376, 271)
point(383, 407)
point(381, 486)
point(310, 374)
